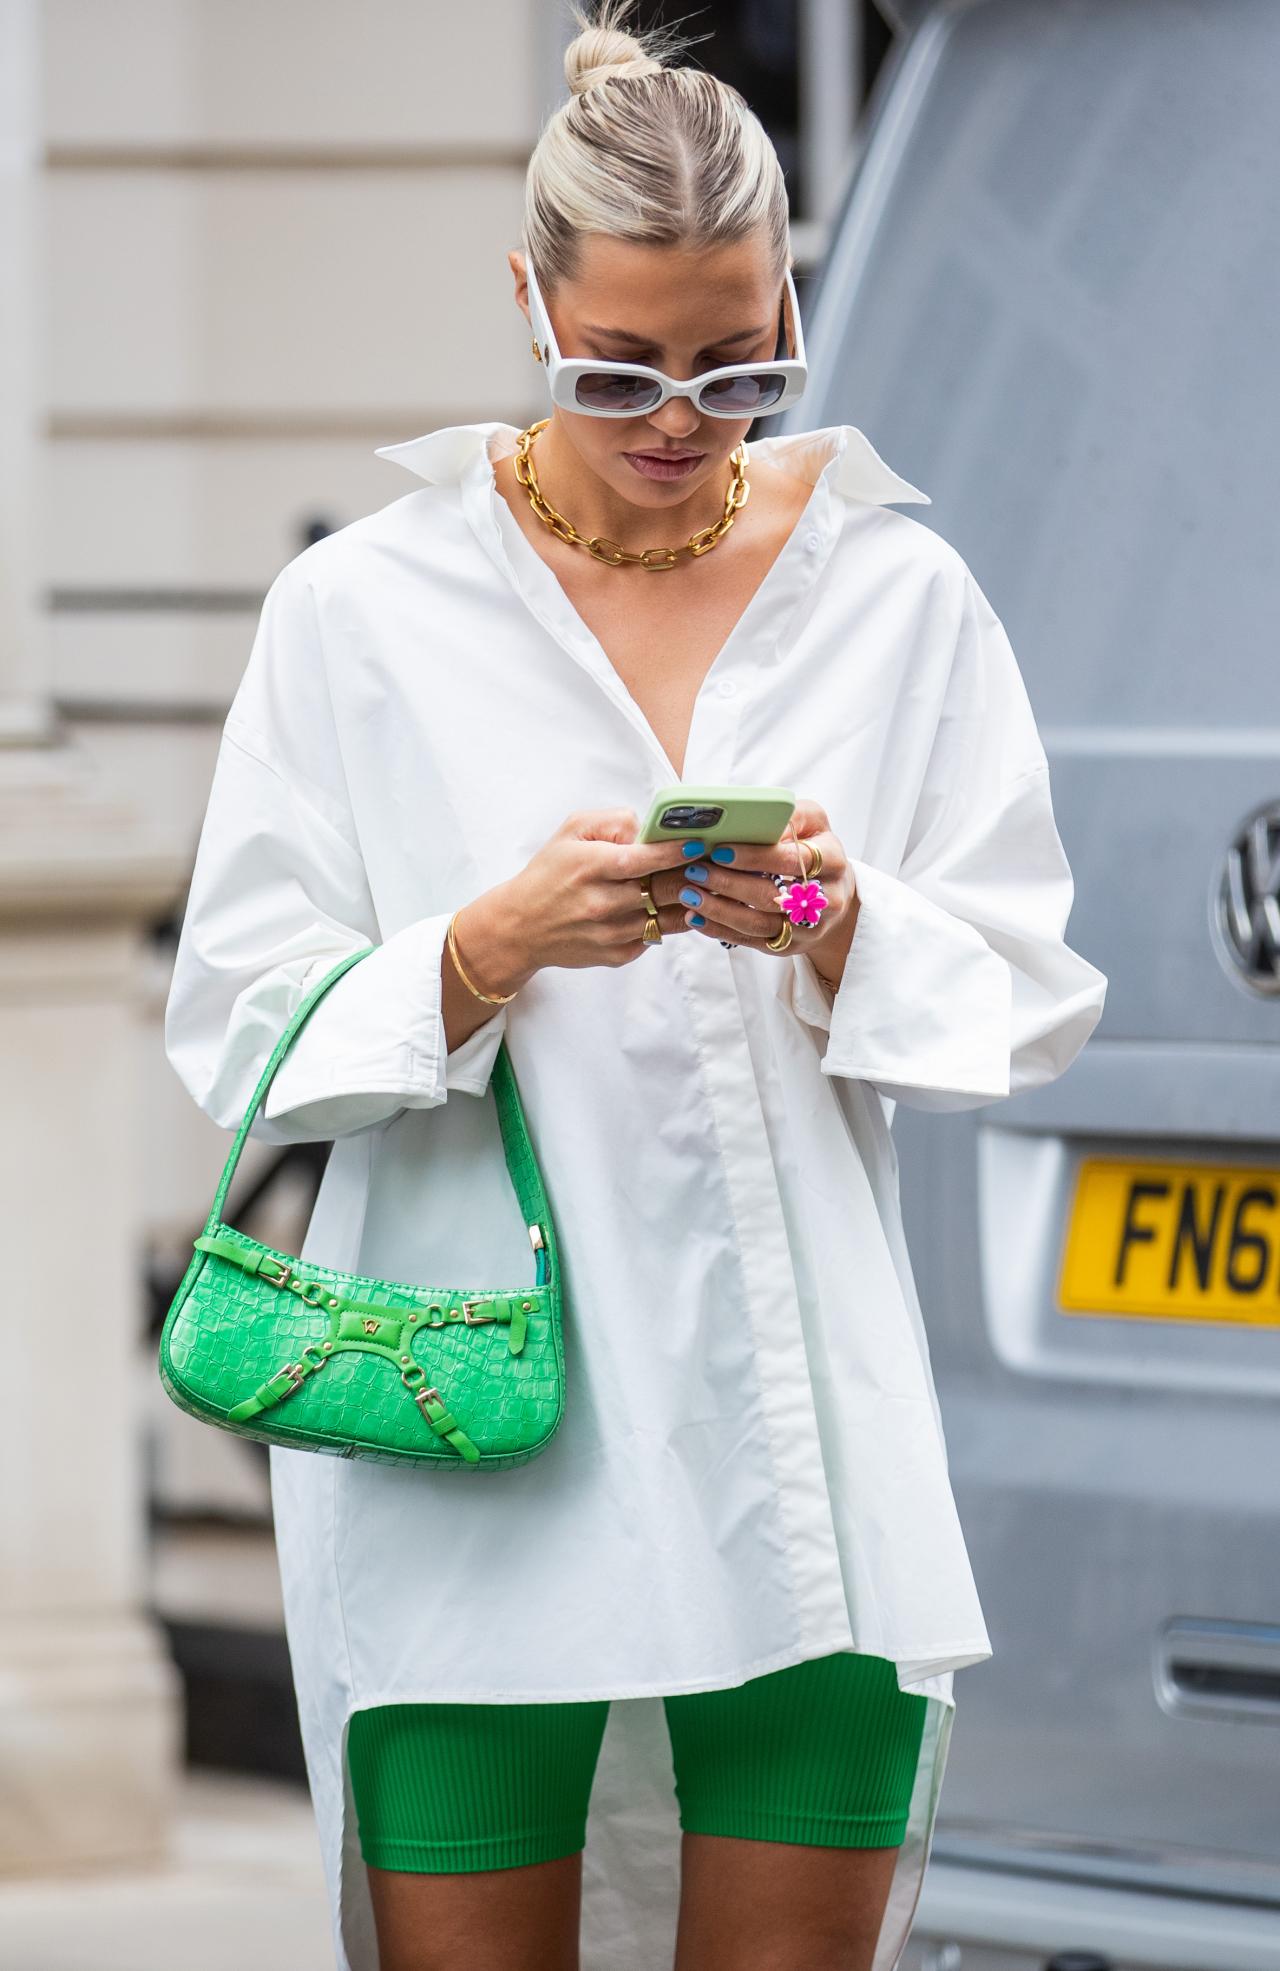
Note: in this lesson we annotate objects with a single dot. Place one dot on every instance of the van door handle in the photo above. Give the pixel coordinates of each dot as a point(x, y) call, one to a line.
point(1208, 1669)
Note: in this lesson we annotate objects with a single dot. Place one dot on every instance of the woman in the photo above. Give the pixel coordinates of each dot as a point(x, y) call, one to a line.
point(733, 1590)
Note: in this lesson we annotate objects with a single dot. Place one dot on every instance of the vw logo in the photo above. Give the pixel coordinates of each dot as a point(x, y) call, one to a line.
point(1244, 905)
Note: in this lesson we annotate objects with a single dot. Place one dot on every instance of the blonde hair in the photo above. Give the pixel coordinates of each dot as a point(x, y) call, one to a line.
point(642, 151)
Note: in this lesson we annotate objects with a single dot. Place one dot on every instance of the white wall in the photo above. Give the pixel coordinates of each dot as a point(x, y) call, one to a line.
point(276, 238)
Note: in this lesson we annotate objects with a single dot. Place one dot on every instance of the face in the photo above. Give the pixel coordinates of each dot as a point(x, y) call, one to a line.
point(679, 310)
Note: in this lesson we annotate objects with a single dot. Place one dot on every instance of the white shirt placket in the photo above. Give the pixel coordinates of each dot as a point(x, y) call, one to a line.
point(736, 1130)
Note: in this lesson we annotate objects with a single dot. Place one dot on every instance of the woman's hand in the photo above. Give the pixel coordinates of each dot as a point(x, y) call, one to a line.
point(743, 907)
point(577, 902)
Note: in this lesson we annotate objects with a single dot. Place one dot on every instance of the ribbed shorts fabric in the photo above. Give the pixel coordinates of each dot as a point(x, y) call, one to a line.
point(822, 1752)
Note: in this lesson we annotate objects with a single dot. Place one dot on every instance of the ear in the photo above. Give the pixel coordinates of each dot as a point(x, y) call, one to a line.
point(515, 260)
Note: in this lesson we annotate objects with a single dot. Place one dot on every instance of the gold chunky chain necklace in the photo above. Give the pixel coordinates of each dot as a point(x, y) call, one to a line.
point(608, 551)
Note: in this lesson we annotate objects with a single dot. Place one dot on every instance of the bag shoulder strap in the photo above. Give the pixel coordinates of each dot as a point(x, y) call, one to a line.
point(517, 1145)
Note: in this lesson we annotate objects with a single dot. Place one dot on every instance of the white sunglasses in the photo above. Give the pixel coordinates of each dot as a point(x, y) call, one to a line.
point(736, 390)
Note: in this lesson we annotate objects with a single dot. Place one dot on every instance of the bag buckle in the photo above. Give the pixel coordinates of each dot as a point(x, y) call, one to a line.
point(279, 1279)
point(472, 1319)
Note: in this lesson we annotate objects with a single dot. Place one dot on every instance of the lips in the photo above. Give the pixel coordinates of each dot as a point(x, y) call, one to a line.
point(664, 468)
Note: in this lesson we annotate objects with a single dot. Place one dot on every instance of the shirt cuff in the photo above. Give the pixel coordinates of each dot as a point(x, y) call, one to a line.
point(379, 1032)
point(924, 1006)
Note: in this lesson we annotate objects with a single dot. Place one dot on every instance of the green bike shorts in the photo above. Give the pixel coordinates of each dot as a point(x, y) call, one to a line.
point(822, 1752)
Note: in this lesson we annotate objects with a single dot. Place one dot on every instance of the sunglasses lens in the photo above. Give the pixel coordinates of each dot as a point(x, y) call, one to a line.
point(606, 390)
point(743, 396)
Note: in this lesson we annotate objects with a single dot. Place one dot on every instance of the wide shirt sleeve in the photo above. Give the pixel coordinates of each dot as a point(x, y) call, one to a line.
point(958, 988)
point(279, 893)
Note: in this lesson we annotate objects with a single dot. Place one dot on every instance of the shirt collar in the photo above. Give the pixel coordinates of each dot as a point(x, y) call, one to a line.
point(842, 451)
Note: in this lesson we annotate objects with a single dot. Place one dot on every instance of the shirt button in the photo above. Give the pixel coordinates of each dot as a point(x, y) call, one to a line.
point(726, 687)
point(811, 542)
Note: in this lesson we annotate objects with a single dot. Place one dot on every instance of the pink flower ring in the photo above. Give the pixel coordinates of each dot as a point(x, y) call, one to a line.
point(804, 903)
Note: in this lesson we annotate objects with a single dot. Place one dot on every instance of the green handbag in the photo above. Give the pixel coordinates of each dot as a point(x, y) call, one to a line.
point(270, 1346)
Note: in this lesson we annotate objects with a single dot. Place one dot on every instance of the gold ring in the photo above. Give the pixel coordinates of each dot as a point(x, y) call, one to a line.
point(652, 933)
point(815, 867)
point(783, 938)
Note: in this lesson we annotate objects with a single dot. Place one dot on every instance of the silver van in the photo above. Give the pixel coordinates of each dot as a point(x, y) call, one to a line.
point(1052, 300)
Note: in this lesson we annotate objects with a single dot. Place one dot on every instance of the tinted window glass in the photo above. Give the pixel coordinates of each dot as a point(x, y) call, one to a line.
point(1065, 331)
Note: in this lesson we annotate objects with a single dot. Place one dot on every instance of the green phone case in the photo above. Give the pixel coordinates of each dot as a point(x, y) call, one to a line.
point(748, 814)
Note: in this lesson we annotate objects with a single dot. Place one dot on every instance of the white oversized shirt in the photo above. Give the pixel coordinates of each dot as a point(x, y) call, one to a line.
point(751, 1469)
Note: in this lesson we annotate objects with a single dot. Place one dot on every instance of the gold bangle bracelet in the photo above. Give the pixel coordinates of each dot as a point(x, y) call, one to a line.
point(490, 998)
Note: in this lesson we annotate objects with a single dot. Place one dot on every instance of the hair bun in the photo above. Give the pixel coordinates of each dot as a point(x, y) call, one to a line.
point(599, 54)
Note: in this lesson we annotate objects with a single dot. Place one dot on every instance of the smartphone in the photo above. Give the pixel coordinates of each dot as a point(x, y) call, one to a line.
point(718, 814)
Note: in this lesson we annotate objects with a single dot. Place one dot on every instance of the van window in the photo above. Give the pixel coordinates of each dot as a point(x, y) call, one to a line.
point(1058, 314)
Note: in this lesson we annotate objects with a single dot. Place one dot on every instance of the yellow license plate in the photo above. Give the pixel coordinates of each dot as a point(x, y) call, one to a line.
point(1173, 1242)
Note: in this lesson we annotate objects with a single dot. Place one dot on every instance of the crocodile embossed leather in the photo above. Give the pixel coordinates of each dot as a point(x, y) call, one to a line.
point(268, 1345)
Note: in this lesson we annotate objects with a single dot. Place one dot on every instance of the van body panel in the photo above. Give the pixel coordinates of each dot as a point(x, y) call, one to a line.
point(1051, 301)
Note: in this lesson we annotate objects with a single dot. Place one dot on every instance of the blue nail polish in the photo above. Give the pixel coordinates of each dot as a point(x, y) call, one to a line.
point(722, 853)
point(697, 872)
point(693, 848)
point(695, 919)
point(691, 896)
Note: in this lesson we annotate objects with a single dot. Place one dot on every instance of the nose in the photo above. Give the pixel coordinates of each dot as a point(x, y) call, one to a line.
point(679, 417)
